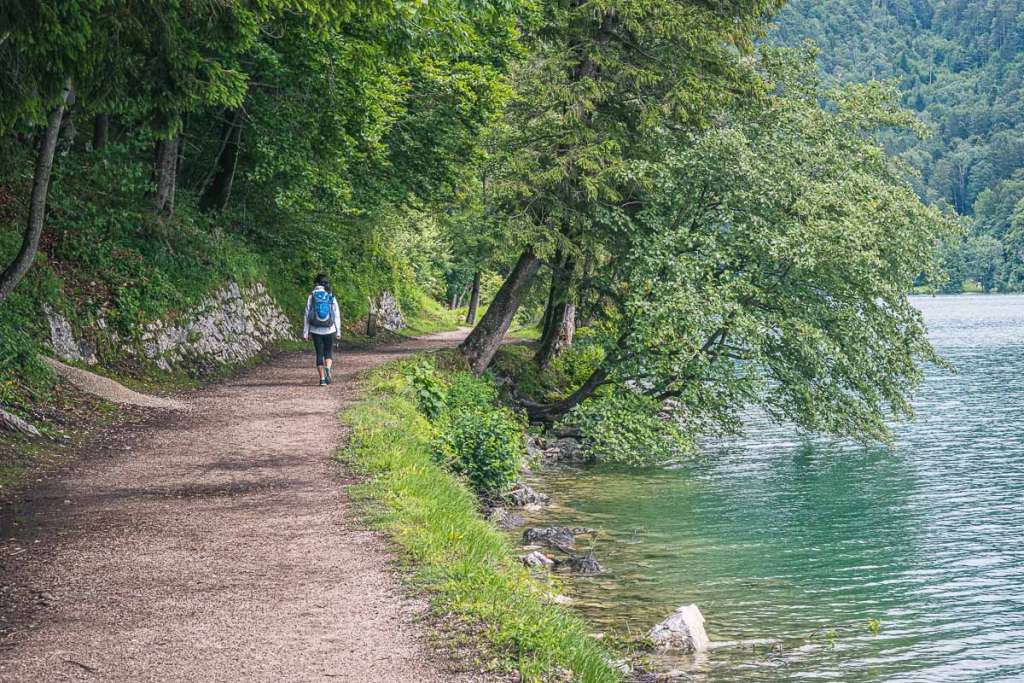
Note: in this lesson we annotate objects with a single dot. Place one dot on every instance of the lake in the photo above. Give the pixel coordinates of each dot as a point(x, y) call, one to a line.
point(809, 542)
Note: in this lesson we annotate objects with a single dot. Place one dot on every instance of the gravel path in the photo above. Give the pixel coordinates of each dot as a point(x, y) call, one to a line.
point(108, 389)
point(216, 544)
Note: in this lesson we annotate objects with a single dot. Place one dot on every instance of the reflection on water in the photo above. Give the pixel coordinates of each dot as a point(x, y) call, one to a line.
point(774, 536)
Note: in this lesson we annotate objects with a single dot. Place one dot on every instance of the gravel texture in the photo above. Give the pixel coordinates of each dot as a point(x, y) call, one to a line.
point(108, 389)
point(215, 544)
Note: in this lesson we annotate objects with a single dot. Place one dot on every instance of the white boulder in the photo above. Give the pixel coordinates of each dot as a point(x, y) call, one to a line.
point(538, 560)
point(683, 631)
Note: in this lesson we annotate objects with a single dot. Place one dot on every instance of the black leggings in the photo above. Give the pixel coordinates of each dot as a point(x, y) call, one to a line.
point(324, 344)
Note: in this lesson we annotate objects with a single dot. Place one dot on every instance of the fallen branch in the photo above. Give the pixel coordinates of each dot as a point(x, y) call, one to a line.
point(90, 669)
point(13, 423)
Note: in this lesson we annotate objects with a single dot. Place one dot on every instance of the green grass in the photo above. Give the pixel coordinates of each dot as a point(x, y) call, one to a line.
point(528, 332)
point(464, 563)
point(429, 317)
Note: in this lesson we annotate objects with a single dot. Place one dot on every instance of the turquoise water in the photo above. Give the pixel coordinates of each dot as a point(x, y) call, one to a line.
point(803, 541)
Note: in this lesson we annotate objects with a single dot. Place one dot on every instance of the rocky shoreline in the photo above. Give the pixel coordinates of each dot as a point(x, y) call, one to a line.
point(548, 549)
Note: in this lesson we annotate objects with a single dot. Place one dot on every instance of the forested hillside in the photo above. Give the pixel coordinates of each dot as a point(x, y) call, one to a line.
point(960, 64)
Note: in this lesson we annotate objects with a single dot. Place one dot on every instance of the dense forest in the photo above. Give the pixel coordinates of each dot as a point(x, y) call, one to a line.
point(960, 65)
point(721, 225)
point(151, 152)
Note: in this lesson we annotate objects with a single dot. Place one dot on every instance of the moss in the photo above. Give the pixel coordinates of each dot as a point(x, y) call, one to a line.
point(464, 563)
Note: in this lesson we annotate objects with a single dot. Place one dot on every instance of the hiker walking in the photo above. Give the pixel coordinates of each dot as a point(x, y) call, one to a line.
point(323, 321)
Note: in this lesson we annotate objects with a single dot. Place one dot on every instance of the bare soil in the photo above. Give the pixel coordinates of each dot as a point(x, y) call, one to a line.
point(214, 544)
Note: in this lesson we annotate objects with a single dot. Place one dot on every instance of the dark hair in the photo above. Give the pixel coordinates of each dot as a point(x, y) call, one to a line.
point(321, 281)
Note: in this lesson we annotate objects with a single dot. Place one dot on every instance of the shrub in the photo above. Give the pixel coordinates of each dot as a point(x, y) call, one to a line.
point(466, 391)
point(474, 437)
point(430, 393)
point(484, 446)
point(627, 427)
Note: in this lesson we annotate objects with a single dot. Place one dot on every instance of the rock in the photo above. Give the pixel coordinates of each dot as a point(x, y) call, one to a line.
point(534, 447)
point(683, 631)
point(523, 495)
point(566, 450)
point(505, 519)
point(622, 666)
point(13, 423)
point(561, 600)
point(674, 676)
point(231, 325)
point(63, 341)
point(538, 560)
point(45, 598)
point(585, 564)
point(561, 537)
point(386, 313)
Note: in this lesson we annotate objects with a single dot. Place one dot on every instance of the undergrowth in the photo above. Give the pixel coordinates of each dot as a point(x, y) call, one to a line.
point(465, 563)
point(566, 372)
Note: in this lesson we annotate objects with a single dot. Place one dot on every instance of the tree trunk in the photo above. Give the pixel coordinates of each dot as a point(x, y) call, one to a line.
point(371, 319)
point(549, 307)
point(550, 412)
point(563, 329)
point(560, 323)
point(483, 342)
point(66, 136)
point(12, 275)
point(166, 174)
point(474, 299)
point(100, 131)
point(218, 192)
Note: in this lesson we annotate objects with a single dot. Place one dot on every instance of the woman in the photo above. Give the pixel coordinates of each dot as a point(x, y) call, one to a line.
point(323, 321)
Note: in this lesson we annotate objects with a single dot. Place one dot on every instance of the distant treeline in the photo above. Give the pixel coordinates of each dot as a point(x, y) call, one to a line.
point(960, 64)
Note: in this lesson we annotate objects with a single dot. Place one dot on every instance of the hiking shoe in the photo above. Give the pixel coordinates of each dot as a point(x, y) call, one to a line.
point(323, 382)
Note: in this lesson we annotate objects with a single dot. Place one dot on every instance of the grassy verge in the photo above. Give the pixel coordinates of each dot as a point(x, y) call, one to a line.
point(464, 563)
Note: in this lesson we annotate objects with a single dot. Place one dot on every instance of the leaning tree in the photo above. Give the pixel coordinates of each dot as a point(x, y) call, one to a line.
point(774, 258)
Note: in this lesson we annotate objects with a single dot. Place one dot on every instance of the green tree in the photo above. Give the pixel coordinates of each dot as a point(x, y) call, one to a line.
point(779, 249)
point(983, 260)
point(606, 85)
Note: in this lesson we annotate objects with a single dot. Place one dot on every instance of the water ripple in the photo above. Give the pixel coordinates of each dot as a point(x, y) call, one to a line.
point(777, 536)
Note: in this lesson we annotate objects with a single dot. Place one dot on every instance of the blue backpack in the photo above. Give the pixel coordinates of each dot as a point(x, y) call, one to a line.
point(321, 310)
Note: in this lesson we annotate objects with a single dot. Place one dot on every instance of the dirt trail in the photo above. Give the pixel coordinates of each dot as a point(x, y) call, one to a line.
point(108, 389)
point(214, 545)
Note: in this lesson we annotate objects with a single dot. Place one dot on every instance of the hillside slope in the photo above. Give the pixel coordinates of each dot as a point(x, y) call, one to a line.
point(960, 64)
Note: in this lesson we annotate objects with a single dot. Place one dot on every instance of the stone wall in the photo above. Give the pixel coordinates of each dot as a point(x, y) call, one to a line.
point(389, 314)
point(230, 326)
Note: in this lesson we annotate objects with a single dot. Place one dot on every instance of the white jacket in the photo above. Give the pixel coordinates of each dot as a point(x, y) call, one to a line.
point(333, 329)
